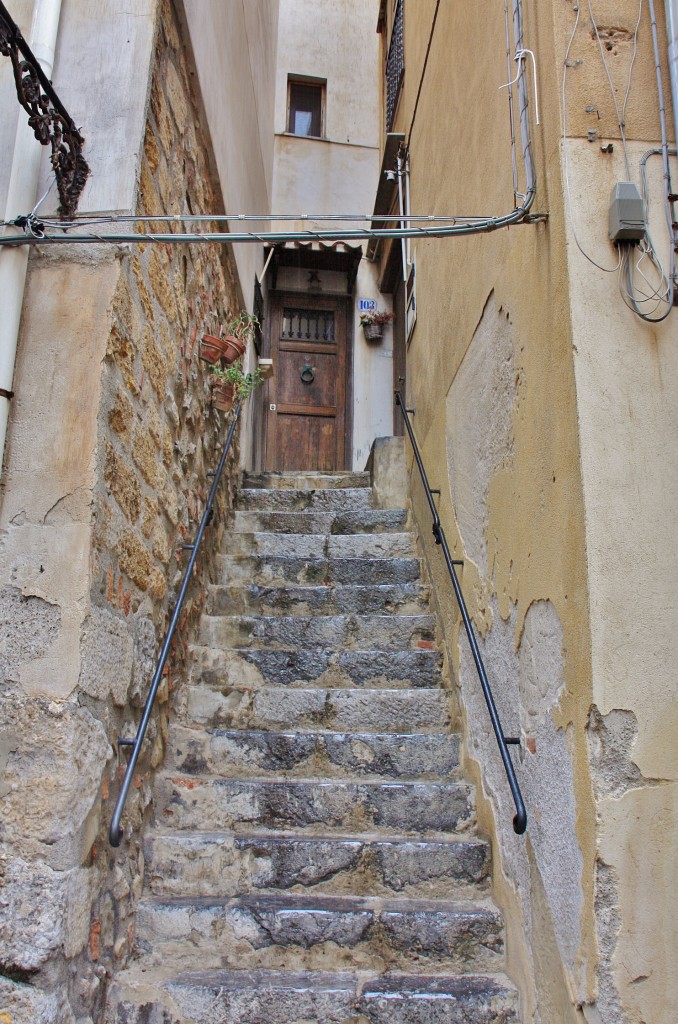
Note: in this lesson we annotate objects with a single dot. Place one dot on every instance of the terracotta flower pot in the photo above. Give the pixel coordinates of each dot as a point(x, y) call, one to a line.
point(223, 394)
point(226, 350)
point(234, 348)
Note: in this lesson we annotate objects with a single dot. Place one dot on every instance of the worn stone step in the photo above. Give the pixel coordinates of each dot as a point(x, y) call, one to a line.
point(260, 666)
point(424, 809)
point(297, 932)
point(311, 997)
point(309, 480)
point(325, 523)
point(281, 569)
point(344, 499)
point(351, 631)
point(315, 545)
point(219, 864)
point(402, 599)
point(341, 710)
point(242, 753)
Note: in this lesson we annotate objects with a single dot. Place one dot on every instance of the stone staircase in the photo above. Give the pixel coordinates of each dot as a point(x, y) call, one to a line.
point(314, 857)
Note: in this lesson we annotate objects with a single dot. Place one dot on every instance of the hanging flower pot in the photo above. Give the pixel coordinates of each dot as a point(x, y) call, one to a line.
point(212, 349)
point(223, 394)
point(373, 332)
point(373, 324)
point(234, 348)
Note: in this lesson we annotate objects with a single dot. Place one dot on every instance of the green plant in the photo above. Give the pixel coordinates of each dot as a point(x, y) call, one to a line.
point(377, 316)
point(243, 383)
point(241, 326)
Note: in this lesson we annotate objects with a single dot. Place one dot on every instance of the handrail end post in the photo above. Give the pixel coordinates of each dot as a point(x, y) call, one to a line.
point(115, 834)
point(520, 821)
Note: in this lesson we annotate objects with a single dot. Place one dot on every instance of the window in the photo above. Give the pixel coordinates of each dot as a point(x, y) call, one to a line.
point(306, 103)
point(395, 66)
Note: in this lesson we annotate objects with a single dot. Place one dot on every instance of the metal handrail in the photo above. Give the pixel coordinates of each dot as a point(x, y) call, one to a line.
point(115, 832)
point(520, 817)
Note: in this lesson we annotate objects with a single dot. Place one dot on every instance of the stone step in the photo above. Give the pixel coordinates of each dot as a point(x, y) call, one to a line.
point(276, 708)
point(325, 523)
point(309, 480)
point(315, 545)
point(311, 997)
point(422, 809)
point(219, 864)
point(403, 599)
point(352, 631)
point(256, 753)
point(282, 569)
point(274, 499)
point(260, 666)
point(297, 933)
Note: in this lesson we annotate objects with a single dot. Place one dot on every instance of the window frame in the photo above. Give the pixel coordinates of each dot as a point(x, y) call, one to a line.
point(317, 83)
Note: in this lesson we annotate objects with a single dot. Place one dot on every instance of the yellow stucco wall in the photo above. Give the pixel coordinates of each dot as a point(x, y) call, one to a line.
point(545, 409)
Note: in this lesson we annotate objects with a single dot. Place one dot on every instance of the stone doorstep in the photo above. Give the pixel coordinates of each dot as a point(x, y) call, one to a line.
point(239, 753)
point(287, 667)
point(251, 931)
point(328, 599)
point(341, 710)
point(313, 997)
point(368, 521)
point(281, 569)
point(221, 864)
point(349, 499)
point(351, 631)
point(306, 480)
point(420, 809)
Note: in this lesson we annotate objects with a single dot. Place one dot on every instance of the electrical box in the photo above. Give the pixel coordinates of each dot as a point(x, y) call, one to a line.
point(627, 217)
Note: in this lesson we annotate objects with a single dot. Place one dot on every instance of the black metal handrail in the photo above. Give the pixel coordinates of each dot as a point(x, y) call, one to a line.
point(520, 817)
point(115, 832)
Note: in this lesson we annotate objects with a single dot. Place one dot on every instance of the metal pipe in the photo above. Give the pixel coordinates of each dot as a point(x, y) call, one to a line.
point(21, 197)
point(115, 832)
point(672, 32)
point(401, 205)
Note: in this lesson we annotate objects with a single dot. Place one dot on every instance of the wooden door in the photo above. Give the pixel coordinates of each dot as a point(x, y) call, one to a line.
point(307, 417)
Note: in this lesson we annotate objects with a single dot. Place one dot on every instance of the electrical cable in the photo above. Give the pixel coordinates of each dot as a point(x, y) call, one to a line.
point(609, 80)
point(423, 72)
point(566, 162)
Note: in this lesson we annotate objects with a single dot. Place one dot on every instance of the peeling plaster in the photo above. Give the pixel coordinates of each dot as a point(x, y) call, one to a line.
point(479, 428)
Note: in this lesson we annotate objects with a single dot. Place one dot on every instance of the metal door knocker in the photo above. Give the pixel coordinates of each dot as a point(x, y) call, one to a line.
point(307, 374)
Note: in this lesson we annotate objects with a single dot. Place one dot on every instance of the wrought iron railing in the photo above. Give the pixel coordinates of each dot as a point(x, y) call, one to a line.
point(115, 833)
point(395, 66)
point(503, 742)
point(47, 116)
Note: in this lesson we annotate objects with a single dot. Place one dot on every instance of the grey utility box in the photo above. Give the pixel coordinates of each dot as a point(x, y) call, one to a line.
point(627, 217)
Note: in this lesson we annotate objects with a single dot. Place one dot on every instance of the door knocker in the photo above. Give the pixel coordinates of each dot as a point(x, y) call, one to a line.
point(307, 374)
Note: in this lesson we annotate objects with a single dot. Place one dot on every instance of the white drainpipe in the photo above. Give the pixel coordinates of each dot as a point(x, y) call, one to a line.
point(21, 198)
point(672, 30)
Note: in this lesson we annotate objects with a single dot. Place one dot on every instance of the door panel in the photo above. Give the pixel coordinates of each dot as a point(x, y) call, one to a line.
point(306, 429)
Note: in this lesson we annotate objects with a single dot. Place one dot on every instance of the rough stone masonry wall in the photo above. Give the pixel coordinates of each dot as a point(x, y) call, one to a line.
point(67, 901)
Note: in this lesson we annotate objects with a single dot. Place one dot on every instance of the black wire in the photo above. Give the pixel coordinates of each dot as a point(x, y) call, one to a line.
point(423, 72)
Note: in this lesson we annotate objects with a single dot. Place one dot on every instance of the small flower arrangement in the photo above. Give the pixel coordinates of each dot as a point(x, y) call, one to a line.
point(377, 316)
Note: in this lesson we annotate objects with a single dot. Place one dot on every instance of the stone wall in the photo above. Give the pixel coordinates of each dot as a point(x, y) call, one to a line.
point(136, 435)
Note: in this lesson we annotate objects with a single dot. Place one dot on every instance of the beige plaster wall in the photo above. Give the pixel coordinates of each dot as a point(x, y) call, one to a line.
point(235, 52)
point(545, 410)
